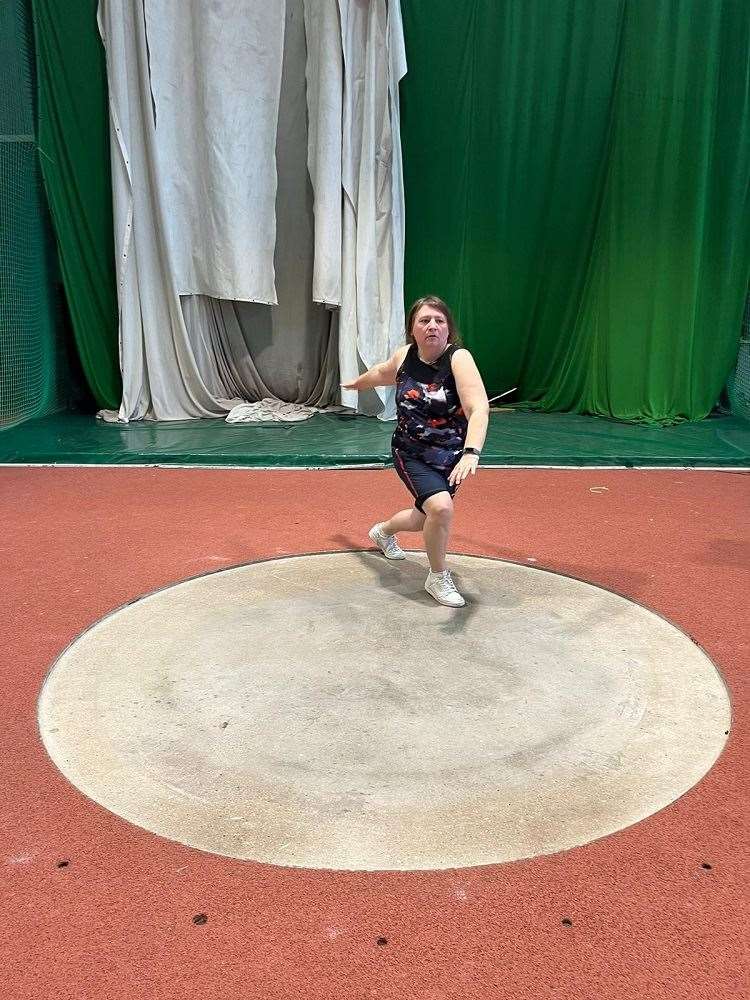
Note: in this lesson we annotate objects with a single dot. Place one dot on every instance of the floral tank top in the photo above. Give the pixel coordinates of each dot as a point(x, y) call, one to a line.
point(430, 423)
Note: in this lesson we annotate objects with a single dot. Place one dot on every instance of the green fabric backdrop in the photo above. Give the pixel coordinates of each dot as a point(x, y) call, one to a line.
point(74, 155)
point(577, 187)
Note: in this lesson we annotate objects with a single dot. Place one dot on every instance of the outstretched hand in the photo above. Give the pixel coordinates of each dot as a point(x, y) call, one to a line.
point(466, 465)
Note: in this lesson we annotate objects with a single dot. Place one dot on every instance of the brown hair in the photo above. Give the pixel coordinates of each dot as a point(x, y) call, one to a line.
point(454, 337)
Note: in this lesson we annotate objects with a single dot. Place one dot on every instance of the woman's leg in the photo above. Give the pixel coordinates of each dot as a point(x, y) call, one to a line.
point(439, 516)
point(406, 520)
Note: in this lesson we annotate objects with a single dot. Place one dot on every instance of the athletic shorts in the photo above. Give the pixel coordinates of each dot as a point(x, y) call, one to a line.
point(421, 480)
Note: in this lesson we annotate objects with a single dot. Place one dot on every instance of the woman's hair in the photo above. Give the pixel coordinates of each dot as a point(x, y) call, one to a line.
point(454, 337)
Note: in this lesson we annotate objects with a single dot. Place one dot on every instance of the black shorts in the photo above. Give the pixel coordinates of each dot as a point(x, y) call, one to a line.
point(421, 480)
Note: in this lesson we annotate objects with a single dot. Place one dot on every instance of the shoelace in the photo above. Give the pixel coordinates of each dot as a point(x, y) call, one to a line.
point(388, 540)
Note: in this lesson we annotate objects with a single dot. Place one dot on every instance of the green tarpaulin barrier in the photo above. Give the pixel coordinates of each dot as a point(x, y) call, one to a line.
point(514, 438)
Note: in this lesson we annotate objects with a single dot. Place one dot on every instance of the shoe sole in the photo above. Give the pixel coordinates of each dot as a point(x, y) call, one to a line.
point(375, 542)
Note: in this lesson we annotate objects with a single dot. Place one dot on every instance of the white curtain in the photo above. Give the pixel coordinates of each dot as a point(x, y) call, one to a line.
point(355, 148)
point(206, 226)
point(216, 81)
point(162, 375)
point(325, 90)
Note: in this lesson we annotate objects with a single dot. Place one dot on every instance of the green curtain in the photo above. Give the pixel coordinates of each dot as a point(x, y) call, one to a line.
point(74, 155)
point(577, 187)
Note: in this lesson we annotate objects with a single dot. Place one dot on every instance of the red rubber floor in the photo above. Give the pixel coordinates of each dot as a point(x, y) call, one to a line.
point(96, 908)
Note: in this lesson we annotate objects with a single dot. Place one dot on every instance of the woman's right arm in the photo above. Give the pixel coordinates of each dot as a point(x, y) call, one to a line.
point(382, 374)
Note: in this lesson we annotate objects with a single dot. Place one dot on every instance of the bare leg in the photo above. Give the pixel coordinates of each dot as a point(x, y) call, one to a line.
point(437, 526)
point(406, 520)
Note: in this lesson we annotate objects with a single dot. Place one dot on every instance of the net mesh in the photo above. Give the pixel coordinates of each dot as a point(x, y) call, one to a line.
point(30, 362)
point(738, 386)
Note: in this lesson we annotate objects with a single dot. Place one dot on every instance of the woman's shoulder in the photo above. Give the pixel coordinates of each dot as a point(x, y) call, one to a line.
point(401, 353)
point(459, 352)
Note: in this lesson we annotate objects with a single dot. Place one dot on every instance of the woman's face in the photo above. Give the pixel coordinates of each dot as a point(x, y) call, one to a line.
point(430, 331)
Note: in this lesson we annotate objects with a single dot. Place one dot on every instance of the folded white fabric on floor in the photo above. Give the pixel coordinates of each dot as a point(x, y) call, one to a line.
point(108, 416)
point(273, 410)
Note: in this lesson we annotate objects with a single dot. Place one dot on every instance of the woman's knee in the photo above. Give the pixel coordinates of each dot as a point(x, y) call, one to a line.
point(439, 506)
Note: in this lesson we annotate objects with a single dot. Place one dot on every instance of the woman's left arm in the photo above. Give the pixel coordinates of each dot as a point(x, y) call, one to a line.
point(476, 406)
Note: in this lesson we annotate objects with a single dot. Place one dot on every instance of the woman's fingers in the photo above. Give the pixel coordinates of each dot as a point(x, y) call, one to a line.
point(461, 470)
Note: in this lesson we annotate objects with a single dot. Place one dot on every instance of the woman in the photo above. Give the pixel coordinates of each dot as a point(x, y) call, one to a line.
point(442, 412)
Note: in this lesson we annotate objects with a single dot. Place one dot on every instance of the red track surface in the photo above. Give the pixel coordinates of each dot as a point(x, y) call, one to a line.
point(117, 921)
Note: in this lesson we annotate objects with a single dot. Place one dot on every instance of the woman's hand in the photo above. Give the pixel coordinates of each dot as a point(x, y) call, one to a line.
point(466, 465)
point(356, 384)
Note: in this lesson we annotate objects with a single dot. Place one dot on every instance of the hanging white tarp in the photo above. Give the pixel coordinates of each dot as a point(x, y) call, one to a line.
point(325, 91)
point(372, 310)
point(161, 374)
point(194, 107)
point(216, 79)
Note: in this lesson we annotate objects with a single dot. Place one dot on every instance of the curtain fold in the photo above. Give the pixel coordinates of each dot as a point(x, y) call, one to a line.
point(324, 79)
point(229, 334)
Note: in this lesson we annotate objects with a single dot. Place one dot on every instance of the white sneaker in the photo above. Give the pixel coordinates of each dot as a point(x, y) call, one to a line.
point(386, 543)
point(441, 587)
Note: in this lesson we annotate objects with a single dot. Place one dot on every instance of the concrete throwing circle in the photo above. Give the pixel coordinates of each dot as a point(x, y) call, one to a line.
point(322, 711)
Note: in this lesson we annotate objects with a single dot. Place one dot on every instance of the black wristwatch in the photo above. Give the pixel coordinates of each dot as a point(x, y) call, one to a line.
point(472, 451)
